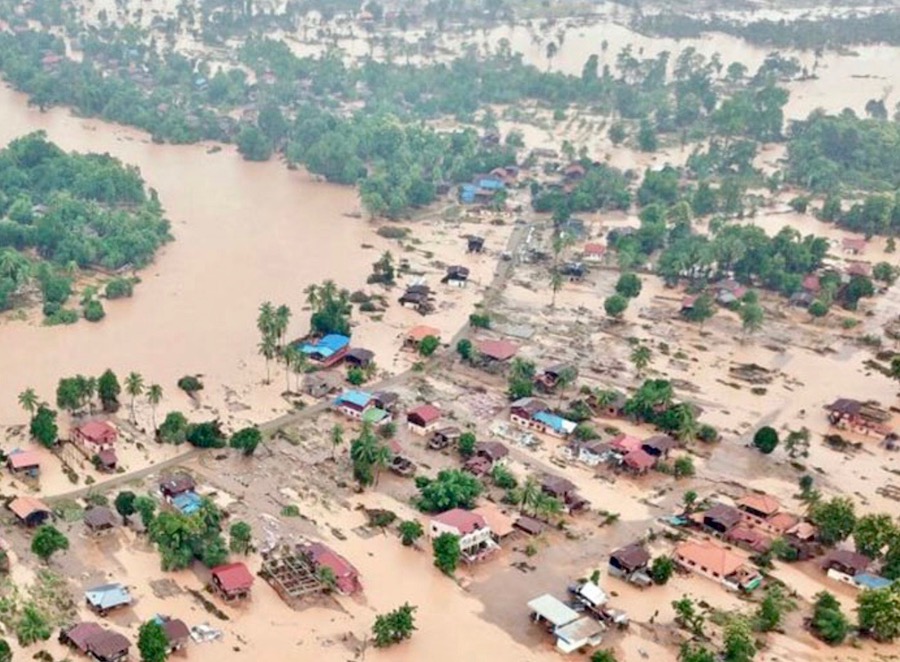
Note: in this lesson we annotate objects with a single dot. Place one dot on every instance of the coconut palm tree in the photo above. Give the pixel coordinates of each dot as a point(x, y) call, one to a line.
point(269, 349)
point(134, 386)
point(291, 357)
point(531, 491)
point(640, 357)
point(337, 438)
point(547, 507)
point(280, 320)
point(265, 321)
point(29, 401)
point(154, 396)
point(312, 296)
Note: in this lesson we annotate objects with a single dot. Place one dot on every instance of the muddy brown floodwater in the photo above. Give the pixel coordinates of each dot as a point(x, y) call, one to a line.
point(244, 233)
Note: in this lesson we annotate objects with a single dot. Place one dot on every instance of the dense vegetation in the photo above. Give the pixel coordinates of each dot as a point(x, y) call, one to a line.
point(71, 210)
point(804, 34)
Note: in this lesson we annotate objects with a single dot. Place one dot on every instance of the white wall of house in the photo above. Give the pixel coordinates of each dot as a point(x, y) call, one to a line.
point(467, 541)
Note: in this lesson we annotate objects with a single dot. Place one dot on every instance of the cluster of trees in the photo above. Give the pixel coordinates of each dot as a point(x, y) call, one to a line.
point(395, 626)
point(182, 538)
point(801, 33)
point(176, 429)
point(602, 187)
point(272, 323)
point(74, 211)
point(654, 402)
point(369, 454)
point(451, 488)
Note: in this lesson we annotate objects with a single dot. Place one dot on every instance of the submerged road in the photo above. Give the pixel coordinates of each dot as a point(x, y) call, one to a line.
point(501, 276)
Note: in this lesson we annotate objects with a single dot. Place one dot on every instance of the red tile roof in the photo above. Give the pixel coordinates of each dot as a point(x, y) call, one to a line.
point(594, 249)
point(710, 556)
point(762, 503)
point(97, 432)
point(24, 506)
point(24, 459)
point(233, 577)
point(463, 521)
point(853, 243)
point(499, 350)
point(426, 413)
point(639, 460)
point(625, 443)
point(419, 333)
point(346, 575)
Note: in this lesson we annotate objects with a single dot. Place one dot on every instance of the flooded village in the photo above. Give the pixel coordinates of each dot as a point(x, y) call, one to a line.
point(480, 330)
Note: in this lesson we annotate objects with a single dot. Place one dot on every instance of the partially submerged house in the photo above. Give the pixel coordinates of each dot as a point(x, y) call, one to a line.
point(474, 244)
point(843, 565)
point(456, 276)
point(659, 445)
point(100, 520)
point(96, 641)
point(345, 575)
point(423, 420)
point(630, 563)
point(476, 541)
point(353, 404)
point(496, 352)
point(535, 414)
point(107, 597)
point(177, 633)
point(95, 436)
point(326, 351)
point(858, 416)
point(321, 383)
point(359, 357)
point(500, 524)
point(172, 486)
point(417, 297)
point(29, 510)
point(232, 581)
point(551, 376)
point(853, 245)
point(444, 437)
point(719, 564)
point(564, 490)
point(26, 463)
point(721, 518)
point(417, 334)
point(593, 252)
point(572, 631)
point(639, 462)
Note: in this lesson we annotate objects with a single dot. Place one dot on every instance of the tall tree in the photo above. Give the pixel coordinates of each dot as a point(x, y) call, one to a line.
point(134, 386)
point(337, 438)
point(154, 397)
point(640, 357)
point(28, 400)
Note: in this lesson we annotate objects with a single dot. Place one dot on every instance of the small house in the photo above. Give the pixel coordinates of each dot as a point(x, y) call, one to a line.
point(232, 581)
point(95, 436)
point(553, 424)
point(627, 561)
point(729, 292)
point(572, 631)
point(564, 490)
point(593, 252)
point(24, 462)
point(574, 172)
point(386, 400)
point(444, 437)
point(353, 404)
point(29, 510)
point(77, 636)
point(417, 334)
point(186, 503)
point(863, 269)
point(639, 461)
point(493, 451)
point(496, 351)
point(591, 453)
point(172, 486)
point(423, 420)
point(417, 297)
point(624, 444)
point(106, 460)
point(456, 276)
point(177, 633)
point(522, 411)
point(107, 597)
point(358, 357)
point(853, 245)
point(475, 538)
point(474, 244)
point(614, 408)
point(322, 383)
point(659, 445)
point(719, 564)
point(758, 508)
point(550, 378)
point(749, 538)
point(843, 565)
point(500, 524)
point(721, 518)
point(529, 525)
point(108, 646)
point(345, 575)
point(326, 351)
point(100, 520)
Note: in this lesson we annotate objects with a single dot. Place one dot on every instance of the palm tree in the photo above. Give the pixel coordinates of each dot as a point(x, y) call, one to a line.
point(265, 321)
point(547, 507)
point(312, 296)
point(280, 321)
point(15, 267)
point(29, 401)
point(556, 283)
point(337, 438)
point(564, 380)
point(531, 491)
point(640, 357)
point(154, 395)
point(269, 350)
point(134, 386)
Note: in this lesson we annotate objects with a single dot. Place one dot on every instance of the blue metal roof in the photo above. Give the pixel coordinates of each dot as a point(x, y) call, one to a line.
point(865, 580)
point(187, 502)
point(558, 423)
point(491, 184)
point(108, 596)
point(357, 398)
point(327, 346)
